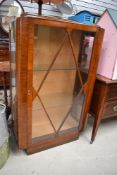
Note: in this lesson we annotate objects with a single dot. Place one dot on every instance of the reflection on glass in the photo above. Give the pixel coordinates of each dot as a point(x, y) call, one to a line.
point(86, 53)
point(58, 95)
point(47, 42)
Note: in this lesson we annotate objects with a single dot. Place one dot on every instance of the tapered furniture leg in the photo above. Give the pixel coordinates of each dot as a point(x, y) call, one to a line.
point(97, 121)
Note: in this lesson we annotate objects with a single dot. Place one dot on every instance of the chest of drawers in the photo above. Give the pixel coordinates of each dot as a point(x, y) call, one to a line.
point(104, 101)
point(4, 55)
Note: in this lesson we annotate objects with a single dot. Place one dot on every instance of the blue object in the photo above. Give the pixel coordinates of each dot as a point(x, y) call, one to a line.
point(85, 17)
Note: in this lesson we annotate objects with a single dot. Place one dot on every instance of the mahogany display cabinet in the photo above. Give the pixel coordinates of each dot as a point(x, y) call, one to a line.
point(50, 94)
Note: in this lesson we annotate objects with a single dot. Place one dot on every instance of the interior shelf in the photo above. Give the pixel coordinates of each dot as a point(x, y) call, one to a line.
point(60, 68)
point(55, 69)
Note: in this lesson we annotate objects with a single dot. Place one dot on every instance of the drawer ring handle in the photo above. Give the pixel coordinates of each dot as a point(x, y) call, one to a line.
point(115, 108)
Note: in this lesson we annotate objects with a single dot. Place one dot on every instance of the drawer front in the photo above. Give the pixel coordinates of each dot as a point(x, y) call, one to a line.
point(112, 92)
point(110, 109)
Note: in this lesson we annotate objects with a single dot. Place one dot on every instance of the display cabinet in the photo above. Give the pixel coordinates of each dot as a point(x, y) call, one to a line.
point(50, 94)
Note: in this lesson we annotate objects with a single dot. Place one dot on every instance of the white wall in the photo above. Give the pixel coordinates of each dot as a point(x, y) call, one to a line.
point(5, 7)
point(94, 6)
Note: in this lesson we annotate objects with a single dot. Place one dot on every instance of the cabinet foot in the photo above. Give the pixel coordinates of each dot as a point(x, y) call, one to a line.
point(91, 141)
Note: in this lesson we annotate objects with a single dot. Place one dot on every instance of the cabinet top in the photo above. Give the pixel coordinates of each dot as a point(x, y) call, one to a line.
point(57, 22)
point(106, 80)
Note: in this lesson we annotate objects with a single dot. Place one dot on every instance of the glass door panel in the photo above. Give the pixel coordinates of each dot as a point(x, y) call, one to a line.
point(58, 94)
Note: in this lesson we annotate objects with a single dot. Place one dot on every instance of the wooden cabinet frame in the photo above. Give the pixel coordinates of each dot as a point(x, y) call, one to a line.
point(24, 78)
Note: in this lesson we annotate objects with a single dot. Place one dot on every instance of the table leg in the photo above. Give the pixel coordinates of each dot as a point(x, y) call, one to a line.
point(97, 121)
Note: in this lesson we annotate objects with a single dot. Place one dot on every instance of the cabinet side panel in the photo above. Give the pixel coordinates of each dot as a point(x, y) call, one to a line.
point(21, 83)
point(92, 75)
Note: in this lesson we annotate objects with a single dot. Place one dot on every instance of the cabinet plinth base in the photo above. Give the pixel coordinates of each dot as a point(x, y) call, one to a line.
point(59, 140)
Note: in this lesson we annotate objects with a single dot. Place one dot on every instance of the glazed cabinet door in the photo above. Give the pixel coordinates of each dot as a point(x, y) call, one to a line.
point(52, 81)
point(56, 86)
